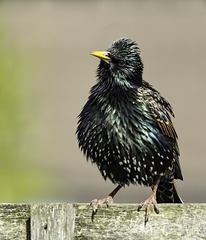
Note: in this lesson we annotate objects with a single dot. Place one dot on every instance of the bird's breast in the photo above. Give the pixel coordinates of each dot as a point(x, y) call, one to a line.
point(124, 141)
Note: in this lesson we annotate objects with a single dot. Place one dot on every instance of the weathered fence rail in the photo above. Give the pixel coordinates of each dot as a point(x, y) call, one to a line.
point(64, 221)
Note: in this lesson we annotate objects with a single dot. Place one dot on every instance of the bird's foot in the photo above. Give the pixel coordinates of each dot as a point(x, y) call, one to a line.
point(96, 202)
point(148, 202)
point(107, 200)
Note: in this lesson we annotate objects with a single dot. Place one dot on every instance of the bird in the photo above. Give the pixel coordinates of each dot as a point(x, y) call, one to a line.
point(126, 129)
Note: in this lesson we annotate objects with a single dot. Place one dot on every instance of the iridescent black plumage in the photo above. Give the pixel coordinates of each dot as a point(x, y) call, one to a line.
point(125, 127)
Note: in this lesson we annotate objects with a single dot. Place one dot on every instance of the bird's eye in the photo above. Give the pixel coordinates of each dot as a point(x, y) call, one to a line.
point(121, 63)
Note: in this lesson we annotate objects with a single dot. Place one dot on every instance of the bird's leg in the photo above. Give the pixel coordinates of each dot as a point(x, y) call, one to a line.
point(107, 200)
point(148, 202)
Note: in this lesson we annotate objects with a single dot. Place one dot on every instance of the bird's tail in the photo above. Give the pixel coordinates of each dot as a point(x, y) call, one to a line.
point(167, 193)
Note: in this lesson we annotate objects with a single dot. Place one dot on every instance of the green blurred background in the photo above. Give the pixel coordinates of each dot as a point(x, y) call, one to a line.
point(45, 77)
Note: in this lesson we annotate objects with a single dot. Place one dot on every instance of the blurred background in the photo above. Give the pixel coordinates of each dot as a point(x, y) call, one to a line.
point(46, 73)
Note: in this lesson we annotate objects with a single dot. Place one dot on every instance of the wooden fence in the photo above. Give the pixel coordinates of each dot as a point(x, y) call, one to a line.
point(64, 221)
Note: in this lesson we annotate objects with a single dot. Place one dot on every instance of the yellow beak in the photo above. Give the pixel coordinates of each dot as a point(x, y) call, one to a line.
point(102, 55)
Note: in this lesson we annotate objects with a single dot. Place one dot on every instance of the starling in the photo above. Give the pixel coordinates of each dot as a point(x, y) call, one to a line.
point(125, 128)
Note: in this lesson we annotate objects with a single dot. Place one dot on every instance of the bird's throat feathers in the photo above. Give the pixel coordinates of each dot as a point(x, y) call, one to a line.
point(117, 81)
point(114, 93)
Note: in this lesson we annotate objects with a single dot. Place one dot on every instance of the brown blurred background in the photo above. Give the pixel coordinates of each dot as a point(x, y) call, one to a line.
point(46, 74)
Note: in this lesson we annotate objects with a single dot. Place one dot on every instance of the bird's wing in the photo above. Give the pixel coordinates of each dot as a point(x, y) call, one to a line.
point(161, 110)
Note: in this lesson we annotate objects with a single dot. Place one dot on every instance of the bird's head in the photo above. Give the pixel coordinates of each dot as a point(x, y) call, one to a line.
point(121, 63)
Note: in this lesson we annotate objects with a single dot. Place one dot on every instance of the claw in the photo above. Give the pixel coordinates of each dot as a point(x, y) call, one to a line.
point(94, 211)
point(146, 220)
point(140, 206)
point(156, 209)
point(95, 203)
